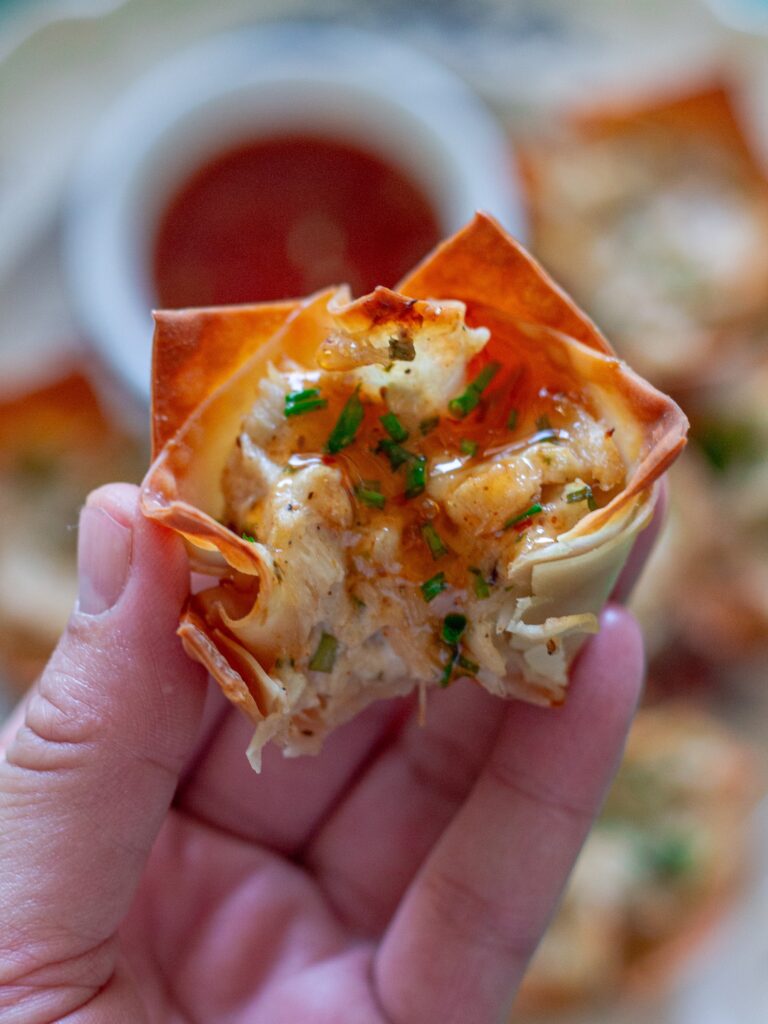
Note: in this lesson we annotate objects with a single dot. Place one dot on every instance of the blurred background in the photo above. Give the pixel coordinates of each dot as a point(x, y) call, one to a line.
point(177, 152)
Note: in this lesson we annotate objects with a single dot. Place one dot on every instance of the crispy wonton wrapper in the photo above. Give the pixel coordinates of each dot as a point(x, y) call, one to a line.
point(207, 366)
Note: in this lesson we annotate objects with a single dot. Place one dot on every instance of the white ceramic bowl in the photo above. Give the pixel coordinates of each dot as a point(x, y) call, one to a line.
point(388, 99)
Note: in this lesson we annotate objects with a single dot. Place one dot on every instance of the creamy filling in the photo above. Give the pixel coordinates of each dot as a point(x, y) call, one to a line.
point(393, 500)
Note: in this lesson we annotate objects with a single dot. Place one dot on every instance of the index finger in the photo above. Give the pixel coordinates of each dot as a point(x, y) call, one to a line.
point(462, 937)
point(642, 547)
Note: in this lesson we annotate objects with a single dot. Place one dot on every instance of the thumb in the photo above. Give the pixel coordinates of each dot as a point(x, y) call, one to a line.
point(88, 777)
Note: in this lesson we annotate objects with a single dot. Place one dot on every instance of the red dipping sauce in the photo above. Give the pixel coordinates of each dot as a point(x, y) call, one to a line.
point(281, 217)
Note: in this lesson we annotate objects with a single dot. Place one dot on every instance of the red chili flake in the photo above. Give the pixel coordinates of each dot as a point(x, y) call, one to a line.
point(522, 525)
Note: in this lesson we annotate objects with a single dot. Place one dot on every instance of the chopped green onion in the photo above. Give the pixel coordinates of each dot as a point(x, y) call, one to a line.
point(402, 348)
point(369, 492)
point(393, 427)
point(468, 447)
point(299, 408)
point(464, 404)
point(433, 541)
point(670, 857)
point(416, 477)
point(445, 678)
point(325, 655)
point(543, 422)
point(434, 586)
point(347, 425)
point(428, 425)
point(486, 375)
point(248, 537)
point(298, 402)
point(397, 455)
point(512, 419)
point(469, 666)
point(582, 494)
point(532, 511)
point(453, 626)
point(357, 602)
point(482, 590)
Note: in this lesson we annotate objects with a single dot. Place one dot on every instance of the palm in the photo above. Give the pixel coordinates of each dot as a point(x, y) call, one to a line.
point(265, 896)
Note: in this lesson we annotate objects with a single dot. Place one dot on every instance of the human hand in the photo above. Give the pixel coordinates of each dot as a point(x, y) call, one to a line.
point(404, 876)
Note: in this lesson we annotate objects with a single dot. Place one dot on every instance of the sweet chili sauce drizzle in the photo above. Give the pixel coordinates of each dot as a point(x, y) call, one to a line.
point(538, 392)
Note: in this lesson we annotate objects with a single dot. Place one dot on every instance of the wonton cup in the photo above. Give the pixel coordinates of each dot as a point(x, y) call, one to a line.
point(521, 634)
point(666, 859)
point(653, 211)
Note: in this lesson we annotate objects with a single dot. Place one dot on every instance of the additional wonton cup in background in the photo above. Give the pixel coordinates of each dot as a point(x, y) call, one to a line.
point(207, 366)
point(57, 443)
point(598, 167)
point(659, 870)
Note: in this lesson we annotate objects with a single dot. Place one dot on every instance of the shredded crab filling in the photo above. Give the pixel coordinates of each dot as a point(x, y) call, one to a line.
point(393, 492)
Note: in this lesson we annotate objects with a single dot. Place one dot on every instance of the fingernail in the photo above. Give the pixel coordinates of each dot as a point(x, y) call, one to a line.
point(103, 560)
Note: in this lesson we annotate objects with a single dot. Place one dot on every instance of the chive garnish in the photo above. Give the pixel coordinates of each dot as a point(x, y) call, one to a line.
point(397, 455)
point(433, 541)
point(512, 419)
point(393, 427)
point(532, 511)
point(453, 626)
point(469, 666)
point(298, 402)
point(670, 857)
point(416, 476)
point(248, 537)
point(434, 586)
point(347, 425)
point(445, 678)
point(543, 422)
point(582, 494)
point(428, 425)
point(369, 492)
point(464, 404)
point(468, 447)
point(325, 655)
point(482, 590)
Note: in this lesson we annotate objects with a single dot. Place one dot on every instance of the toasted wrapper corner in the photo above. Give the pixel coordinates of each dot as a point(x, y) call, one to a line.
point(208, 365)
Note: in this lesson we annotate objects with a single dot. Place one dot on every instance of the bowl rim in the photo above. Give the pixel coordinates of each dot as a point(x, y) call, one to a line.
point(125, 166)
